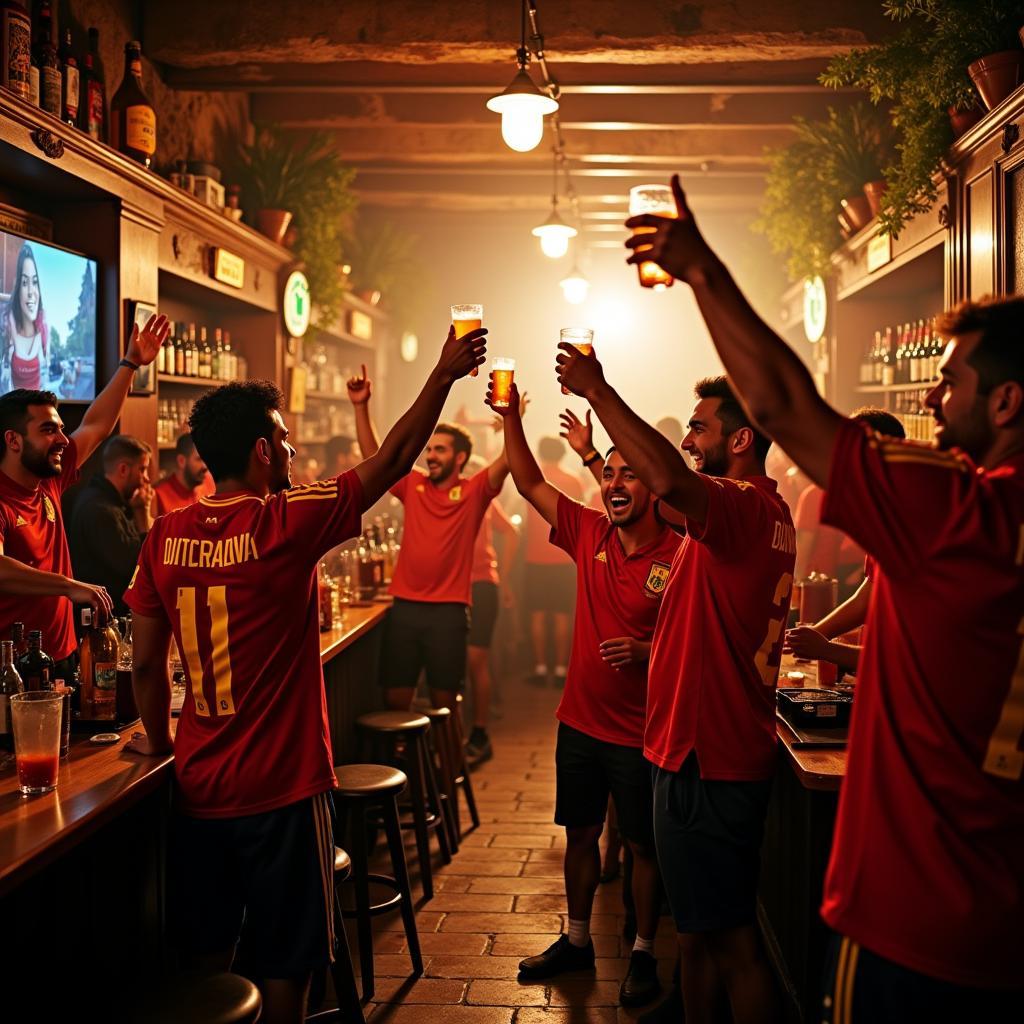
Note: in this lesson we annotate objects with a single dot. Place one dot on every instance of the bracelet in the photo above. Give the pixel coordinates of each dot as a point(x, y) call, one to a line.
point(592, 456)
point(134, 367)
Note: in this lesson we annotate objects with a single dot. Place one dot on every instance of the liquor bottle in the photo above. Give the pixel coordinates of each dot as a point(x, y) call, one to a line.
point(179, 351)
point(205, 367)
point(888, 369)
point(70, 81)
point(92, 117)
point(18, 639)
point(230, 359)
point(50, 80)
point(192, 353)
point(132, 117)
point(97, 655)
point(217, 362)
point(10, 684)
point(35, 666)
point(15, 48)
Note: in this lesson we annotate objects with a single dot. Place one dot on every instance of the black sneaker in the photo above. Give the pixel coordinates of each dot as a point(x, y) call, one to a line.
point(668, 1011)
point(478, 748)
point(559, 957)
point(641, 983)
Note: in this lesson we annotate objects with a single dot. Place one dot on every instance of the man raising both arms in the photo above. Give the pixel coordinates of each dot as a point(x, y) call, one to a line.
point(233, 579)
point(622, 558)
point(924, 885)
point(711, 684)
point(428, 626)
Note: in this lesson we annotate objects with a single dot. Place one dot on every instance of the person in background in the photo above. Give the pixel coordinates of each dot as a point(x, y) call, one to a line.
point(428, 626)
point(622, 558)
point(550, 574)
point(340, 454)
point(253, 827)
point(188, 482)
point(24, 361)
point(38, 462)
point(490, 593)
point(112, 517)
point(671, 429)
point(923, 889)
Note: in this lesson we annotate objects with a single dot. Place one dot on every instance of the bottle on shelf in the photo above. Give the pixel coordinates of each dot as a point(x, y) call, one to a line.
point(70, 81)
point(15, 48)
point(179, 351)
point(132, 117)
point(35, 666)
point(19, 639)
point(205, 355)
point(217, 357)
point(92, 118)
point(192, 353)
point(888, 361)
point(97, 655)
point(230, 359)
point(48, 62)
point(10, 684)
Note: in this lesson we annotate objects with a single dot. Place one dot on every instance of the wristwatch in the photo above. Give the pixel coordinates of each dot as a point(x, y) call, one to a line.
point(131, 366)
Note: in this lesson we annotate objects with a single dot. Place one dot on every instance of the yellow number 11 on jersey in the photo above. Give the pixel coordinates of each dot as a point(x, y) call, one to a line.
point(217, 601)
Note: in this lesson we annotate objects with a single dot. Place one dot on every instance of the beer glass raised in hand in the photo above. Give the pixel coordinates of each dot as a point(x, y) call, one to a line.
point(657, 199)
point(502, 374)
point(579, 337)
point(467, 317)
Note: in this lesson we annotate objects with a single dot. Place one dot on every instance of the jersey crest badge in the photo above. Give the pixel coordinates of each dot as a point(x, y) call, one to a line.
point(601, 557)
point(455, 494)
point(51, 515)
point(21, 522)
point(657, 577)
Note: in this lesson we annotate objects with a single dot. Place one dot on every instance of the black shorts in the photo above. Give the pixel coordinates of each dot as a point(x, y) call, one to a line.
point(263, 881)
point(587, 770)
point(708, 836)
point(551, 588)
point(421, 635)
point(483, 613)
point(860, 987)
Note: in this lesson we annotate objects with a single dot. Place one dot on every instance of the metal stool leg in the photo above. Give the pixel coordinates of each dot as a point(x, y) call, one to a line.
point(401, 870)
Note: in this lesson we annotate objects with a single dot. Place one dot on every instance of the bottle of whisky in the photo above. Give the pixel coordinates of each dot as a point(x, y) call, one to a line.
point(70, 81)
point(49, 64)
point(10, 684)
point(93, 104)
point(97, 654)
point(15, 48)
point(132, 117)
point(35, 666)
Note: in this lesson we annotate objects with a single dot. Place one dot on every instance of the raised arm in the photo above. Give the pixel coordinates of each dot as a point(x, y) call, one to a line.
point(359, 390)
point(652, 456)
point(405, 440)
point(526, 474)
point(105, 410)
point(768, 376)
point(580, 436)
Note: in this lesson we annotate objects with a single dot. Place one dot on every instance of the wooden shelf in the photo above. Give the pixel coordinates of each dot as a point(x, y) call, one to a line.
point(891, 389)
point(189, 382)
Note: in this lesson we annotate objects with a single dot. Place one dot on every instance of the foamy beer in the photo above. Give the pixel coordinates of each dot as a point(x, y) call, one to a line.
point(579, 337)
point(657, 199)
point(467, 317)
point(503, 372)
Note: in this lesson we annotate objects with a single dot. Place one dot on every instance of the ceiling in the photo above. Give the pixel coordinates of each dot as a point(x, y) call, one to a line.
point(647, 88)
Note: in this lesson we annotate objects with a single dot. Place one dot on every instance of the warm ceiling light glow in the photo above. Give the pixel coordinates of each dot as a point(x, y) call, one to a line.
point(554, 235)
point(522, 107)
point(574, 287)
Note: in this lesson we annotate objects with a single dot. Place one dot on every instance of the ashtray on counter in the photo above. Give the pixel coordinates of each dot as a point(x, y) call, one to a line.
point(823, 708)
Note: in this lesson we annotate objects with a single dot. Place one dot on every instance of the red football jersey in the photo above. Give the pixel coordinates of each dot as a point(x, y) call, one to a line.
point(927, 865)
point(441, 527)
point(170, 494)
point(718, 642)
point(616, 595)
point(32, 531)
point(235, 575)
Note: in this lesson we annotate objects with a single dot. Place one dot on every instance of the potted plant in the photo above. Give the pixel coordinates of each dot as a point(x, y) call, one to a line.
point(922, 71)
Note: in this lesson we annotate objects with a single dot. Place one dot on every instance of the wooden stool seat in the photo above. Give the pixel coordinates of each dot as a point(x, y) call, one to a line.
point(392, 721)
point(356, 780)
point(342, 864)
point(199, 998)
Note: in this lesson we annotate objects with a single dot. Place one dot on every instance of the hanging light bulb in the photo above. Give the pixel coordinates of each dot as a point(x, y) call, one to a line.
point(554, 233)
point(574, 287)
point(522, 105)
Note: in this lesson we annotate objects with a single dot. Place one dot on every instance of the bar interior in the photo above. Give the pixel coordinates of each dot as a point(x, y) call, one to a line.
point(335, 684)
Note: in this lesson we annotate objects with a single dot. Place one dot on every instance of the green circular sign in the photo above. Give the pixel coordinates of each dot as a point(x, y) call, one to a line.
point(296, 304)
point(815, 309)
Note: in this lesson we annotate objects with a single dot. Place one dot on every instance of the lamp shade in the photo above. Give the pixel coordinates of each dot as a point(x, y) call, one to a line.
point(554, 235)
point(522, 107)
point(574, 287)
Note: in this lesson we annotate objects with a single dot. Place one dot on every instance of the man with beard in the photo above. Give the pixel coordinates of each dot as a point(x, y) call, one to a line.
point(233, 578)
point(428, 628)
point(622, 561)
point(710, 728)
point(112, 517)
point(189, 481)
point(924, 885)
point(38, 462)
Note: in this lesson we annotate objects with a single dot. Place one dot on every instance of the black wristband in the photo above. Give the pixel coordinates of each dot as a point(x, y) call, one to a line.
point(129, 364)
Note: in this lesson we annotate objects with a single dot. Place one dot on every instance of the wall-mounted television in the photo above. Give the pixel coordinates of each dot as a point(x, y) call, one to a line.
point(47, 319)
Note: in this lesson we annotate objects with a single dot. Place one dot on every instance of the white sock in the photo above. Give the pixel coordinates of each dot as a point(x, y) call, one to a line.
point(579, 932)
point(540, 670)
point(643, 945)
point(559, 670)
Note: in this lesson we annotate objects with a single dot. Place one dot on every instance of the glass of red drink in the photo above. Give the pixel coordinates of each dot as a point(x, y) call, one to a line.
point(35, 719)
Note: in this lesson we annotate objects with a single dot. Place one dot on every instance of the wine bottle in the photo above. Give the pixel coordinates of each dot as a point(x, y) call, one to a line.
point(92, 108)
point(15, 48)
point(49, 64)
point(10, 684)
point(35, 666)
point(132, 117)
point(70, 81)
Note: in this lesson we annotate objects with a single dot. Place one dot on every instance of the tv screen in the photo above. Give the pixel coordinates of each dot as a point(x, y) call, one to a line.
point(47, 319)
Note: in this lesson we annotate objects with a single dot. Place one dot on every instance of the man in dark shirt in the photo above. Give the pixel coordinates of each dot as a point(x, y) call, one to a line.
point(112, 517)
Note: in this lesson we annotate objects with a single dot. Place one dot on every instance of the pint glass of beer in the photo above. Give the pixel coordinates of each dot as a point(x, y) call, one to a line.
point(503, 371)
point(579, 337)
point(657, 199)
point(467, 317)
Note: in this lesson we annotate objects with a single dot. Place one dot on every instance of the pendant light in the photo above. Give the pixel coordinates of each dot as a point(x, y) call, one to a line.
point(554, 233)
point(574, 286)
point(522, 105)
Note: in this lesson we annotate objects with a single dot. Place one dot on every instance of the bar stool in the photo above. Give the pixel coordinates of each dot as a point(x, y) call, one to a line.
point(463, 777)
point(362, 787)
point(349, 1007)
point(441, 738)
point(199, 998)
point(383, 730)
